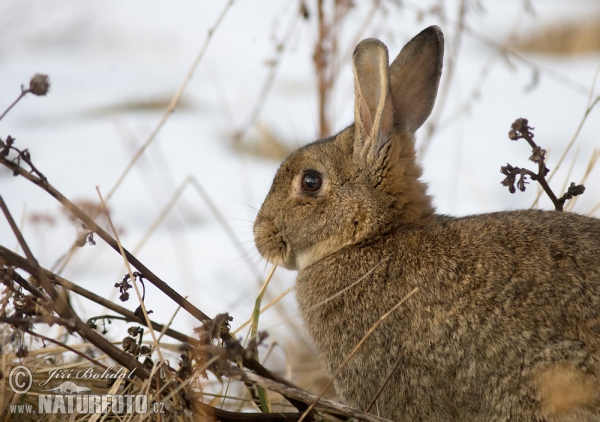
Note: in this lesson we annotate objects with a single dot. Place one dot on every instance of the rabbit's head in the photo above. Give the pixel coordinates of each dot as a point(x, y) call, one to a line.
point(363, 181)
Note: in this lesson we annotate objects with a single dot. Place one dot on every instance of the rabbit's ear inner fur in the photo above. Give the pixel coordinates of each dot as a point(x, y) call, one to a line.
point(391, 103)
point(373, 106)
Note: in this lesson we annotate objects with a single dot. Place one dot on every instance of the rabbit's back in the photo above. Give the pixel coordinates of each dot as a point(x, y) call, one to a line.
point(505, 324)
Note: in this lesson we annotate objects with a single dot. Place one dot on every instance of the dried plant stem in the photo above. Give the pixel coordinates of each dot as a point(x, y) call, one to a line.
point(588, 170)
point(333, 296)
point(449, 72)
point(383, 384)
point(23, 93)
point(266, 307)
point(549, 72)
point(322, 60)
point(593, 210)
point(269, 81)
point(132, 278)
point(170, 108)
point(164, 329)
point(310, 398)
point(13, 259)
point(70, 349)
point(569, 145)
point(220, 219)
point(191, 180)
point(359, 345)
point(345, 58)
point(174, 100)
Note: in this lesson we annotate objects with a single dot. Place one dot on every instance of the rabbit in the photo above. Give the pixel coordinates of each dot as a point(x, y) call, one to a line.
point(505, 324)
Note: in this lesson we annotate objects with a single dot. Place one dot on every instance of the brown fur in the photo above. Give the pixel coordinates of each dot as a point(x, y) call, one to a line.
point(506, 322)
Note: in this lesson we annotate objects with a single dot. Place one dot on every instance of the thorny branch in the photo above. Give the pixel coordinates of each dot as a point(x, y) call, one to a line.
point(521, 130)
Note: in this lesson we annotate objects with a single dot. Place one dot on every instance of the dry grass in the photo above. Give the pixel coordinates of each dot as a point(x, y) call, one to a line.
point(564, 38)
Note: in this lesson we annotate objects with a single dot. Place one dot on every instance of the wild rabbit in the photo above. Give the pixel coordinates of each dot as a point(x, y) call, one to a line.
point(505, 324)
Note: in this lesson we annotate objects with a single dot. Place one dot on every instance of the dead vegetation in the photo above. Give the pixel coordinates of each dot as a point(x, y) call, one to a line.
point(574, 38)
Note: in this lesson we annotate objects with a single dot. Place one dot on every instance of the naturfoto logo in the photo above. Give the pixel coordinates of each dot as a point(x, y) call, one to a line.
point(71, 398)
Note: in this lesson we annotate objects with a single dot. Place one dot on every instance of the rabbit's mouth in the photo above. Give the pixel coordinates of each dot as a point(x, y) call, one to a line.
point(272, 245)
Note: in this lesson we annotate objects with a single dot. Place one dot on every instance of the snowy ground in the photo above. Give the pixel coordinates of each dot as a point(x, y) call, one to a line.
point(105, 57)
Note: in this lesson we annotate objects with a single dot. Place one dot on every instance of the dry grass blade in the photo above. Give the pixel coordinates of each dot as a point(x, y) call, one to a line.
point(358, 346)
point(220, 219)
point(590, 107)
point(174, 100)
point(588, 170)
point(269, 81)
point(191, 180)
point(383, 385)
point(449, 72)
point(267, 306)
point(341, 292)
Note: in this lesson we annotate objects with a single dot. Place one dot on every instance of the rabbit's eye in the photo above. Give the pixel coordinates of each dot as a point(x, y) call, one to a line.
point(311, 182)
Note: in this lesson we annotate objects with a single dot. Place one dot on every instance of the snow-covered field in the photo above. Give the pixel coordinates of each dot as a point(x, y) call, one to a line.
point(114, 66)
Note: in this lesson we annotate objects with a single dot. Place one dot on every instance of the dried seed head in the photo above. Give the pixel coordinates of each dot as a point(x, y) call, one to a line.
point(39, 84)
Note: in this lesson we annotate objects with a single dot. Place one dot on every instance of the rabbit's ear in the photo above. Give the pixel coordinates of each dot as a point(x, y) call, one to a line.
point(373, 114)
point(414, 79)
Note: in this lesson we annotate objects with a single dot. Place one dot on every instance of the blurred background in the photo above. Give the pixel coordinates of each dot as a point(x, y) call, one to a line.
point(266, 77)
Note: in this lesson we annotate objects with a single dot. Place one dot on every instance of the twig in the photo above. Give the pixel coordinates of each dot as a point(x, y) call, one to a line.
point(521, 130)
point(310, 398)
point(23, 93)
point(15, 260)
point(27, 285)
point(69, 348)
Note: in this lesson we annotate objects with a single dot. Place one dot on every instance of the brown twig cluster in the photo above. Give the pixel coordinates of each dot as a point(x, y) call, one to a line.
point(516, 175)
